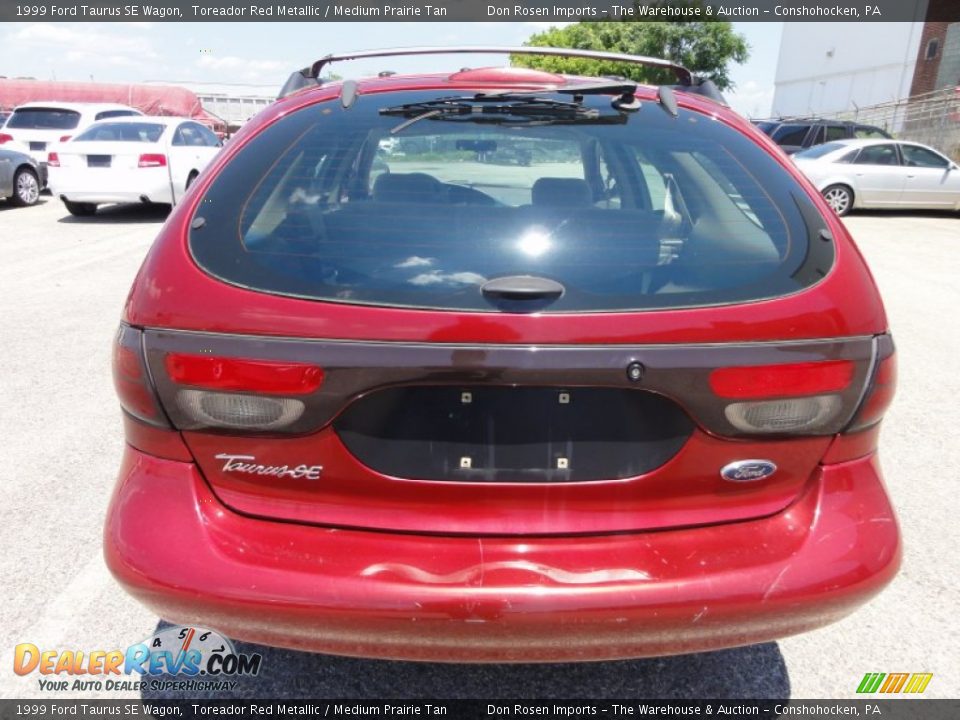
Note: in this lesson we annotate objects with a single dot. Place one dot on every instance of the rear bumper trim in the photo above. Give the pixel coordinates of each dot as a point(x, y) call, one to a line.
point(386, 595)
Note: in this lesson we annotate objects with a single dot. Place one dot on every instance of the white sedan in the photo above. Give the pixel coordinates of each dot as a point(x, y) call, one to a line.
point(881, 174)
point(130, 160)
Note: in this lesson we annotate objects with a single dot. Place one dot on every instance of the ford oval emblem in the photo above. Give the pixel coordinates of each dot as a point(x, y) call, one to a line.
point(748, 470)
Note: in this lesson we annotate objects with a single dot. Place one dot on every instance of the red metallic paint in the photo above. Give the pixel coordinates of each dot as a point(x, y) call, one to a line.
point(687, 490)
point(499, 599)
point(741, 564)
point(170, 282)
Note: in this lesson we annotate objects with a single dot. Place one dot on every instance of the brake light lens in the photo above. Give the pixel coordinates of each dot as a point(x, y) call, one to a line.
point(783, 398)
point(239, 393)
point(152, 160)
point(878, 397)
point(53, 160)
point(788, 380)
point(131, 380)
point(5, 138)
point(64, 138)
point(264, 377)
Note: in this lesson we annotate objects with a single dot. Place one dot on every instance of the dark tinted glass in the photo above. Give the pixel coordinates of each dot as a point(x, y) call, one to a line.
point(869, 133)
point(124, 132)
point(835, 132)
point(878, 155)
point(43, 119)
point(625, 211)
point(790, 134)
point(916, 156)
point(819, 151)
point(107, 114)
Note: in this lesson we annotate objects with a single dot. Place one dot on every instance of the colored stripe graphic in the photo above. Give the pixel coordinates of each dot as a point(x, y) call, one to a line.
point(870, 682)
point(187, 640)
point(918, 682)
point(894, 683)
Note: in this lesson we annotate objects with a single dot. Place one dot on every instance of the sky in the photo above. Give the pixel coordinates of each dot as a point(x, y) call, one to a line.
point(264, 54)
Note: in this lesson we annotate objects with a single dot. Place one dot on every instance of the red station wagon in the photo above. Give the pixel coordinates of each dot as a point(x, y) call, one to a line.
point(502, 365)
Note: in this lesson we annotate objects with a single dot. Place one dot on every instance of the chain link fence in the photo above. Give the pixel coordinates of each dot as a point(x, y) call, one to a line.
point(932, 119)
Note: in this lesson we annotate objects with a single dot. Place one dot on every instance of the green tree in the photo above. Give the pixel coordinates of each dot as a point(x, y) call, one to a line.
point(704, 47)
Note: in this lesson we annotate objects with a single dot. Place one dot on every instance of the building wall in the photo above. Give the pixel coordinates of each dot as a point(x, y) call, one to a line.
point(826, 68)
point(948, 74)
point(233, 102)
point(236, 110)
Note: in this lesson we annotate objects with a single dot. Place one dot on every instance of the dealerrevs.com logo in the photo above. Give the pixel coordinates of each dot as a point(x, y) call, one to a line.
point(176, 658)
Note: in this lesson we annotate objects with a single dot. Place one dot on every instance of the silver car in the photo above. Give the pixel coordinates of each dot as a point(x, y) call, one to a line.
point(881, 174)
point(21, 177)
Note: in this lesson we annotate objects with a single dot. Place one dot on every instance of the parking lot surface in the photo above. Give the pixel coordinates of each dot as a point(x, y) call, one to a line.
point(63, 286)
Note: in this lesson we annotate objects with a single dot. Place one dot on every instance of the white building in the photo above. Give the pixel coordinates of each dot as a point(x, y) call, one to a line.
point(826, 67)
point(233, 102)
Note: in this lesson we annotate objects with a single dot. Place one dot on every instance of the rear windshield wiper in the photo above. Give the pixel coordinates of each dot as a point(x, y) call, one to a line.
point(512, 108)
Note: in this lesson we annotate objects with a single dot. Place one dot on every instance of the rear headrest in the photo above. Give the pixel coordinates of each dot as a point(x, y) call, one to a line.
point(406, 187)
point(561, 192)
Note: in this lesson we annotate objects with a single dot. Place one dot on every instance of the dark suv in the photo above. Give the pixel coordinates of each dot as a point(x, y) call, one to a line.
point(796, 135)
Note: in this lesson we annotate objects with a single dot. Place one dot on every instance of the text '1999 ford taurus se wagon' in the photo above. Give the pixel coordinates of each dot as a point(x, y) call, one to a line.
point(503, 365)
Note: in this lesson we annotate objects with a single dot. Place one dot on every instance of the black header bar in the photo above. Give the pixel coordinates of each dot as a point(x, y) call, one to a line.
point(479, 10)
point(904, 709)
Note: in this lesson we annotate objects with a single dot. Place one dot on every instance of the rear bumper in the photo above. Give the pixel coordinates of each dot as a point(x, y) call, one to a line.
point(173, 545)
point(113, 185)
point(153, 195)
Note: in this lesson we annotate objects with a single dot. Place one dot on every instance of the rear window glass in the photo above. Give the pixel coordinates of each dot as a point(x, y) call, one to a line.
point(43, 119)
point(107, 114)
point(818, 151)
point(869, 133)
point(626, 210)
point(145, 132)
point(790, 134)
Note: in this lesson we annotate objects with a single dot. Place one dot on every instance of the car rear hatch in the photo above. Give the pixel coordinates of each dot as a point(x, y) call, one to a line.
point(503, 440)
point(112, 156)
point(382, 209)
point(38, 129)
point(100, 155)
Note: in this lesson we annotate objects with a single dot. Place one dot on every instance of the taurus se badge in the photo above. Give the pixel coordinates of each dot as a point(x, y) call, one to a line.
point(248, 465)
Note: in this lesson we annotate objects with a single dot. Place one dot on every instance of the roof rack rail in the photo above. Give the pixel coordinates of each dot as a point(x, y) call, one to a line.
point(686, 81)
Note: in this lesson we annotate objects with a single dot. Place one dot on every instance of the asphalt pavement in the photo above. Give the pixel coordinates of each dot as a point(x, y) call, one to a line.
point(62, 288)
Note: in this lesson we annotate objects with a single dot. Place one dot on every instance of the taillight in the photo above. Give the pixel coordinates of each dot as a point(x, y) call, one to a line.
point(783, 398)
point(241, 393)
point(4, 138)
point(786, 415)
point(233, 410)
point(145, 424)
point(152, 160)
point(788, 380)
point(260, 376)
point(53, 160)
point(860, 437)
point(64, 138)
point(131, 380)
point(879, 394)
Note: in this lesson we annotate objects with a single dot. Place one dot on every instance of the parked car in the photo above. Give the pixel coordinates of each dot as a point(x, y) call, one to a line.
point(34, 127)
point(795, 135)
point(130, 160)
point(20, 177)
point(621, 402)
point(882, 174)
